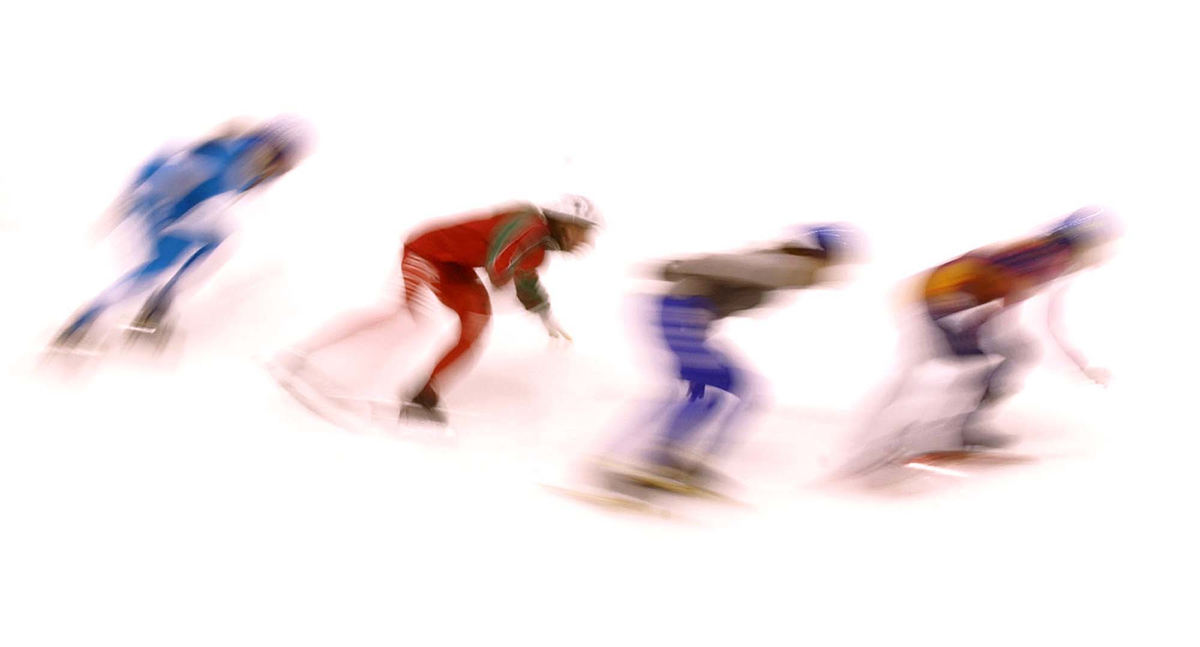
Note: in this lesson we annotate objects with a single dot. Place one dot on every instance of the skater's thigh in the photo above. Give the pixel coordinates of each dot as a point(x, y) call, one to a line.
point(463, 292)
point(960, 333)
point(703, 366)
point(1003, 336)
point(168, 250)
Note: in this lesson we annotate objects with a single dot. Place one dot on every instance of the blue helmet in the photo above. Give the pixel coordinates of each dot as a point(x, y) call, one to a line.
point(837, 240)
point(1086, 227)
point(288, 137)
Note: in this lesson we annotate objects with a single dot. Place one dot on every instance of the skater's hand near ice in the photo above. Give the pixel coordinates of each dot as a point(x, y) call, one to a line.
point(553, 328)
point(1097, 374)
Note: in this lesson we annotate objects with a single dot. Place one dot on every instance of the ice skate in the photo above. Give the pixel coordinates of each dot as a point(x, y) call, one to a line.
point(705, 481)
point(605, 484)
point(151, 324)
point(670, 476)
point(981, 439)
point(71, 349)
point(70, 339)
point(665, 473)
point(423, 407)
point(287, 366)
point(308, 386)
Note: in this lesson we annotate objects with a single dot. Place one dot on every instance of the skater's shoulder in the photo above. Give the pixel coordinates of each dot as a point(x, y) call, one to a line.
point(518, 222)
point(507, 215)
point(521, 216)
point(763, 269)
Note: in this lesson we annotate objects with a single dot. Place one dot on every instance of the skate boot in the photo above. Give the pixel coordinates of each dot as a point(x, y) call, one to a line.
point(288, 370)
point(615, 476)
point(423, 406)
point(663, 471)
point(980, 439)
point(69, 339)
point(704, 479)
point(150, 324)
point(287, 365)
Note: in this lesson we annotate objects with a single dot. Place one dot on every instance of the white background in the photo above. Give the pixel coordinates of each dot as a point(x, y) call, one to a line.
point(191, 503)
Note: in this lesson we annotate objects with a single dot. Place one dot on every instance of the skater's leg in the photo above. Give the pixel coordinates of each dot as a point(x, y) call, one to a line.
point(633, 431)
point(684, 326)
point(157, 305)
point(422, 277)
point(418, 276)
point(743, 399)
point(163, 297)
point(167, 251)
point(460, 290)
point(700, 405)
point(346, 326)
point(964, 338)
point(998, 382)
point(877, 432)
point(469, 300)
point(914, 351)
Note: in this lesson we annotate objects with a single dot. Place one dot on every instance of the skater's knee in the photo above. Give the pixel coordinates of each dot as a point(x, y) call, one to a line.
point(472, 325)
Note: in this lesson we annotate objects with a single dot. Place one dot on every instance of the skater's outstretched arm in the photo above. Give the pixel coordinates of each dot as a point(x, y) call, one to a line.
point(1054, 326)
point(515, 255)
point(533, 296)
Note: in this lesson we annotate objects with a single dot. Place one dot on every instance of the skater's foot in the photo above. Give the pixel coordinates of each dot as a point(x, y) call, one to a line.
point(151, 325)
point(666, 465)
point(154, 313)
point(661, 472)
point(287, 364)
point(70, 337)
point(424, 406)
point(703, 477)
point(630, 479)
point(982, 439)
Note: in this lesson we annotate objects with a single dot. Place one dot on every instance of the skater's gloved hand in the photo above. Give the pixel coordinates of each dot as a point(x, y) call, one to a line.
point(552, 327)
point(1097, 374)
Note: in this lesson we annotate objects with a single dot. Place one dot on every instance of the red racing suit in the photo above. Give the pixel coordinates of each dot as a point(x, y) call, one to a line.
point(508, 242)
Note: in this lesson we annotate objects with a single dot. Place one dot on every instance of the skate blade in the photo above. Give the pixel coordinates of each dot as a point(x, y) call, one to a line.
point(654, 481)
point(963, 463)
point(386, 416)
point(311, 398)
point(70, 351)
point(612, 501)
point(419, 414)
point(969, 456)
point(70, 364)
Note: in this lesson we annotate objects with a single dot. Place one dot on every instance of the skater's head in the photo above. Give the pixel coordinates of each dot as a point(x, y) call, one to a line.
point(1089, 233)
point(569, 236)
point(572, 221)
point(277, 147)
point(831, 244)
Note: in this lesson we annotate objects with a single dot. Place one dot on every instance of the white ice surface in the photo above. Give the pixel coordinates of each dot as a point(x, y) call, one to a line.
point(187, 501)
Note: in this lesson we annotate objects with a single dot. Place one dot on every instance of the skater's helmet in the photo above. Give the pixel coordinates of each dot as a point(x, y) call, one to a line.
point(1087, 227)
point(287, 137)
point(839, 241)
point(573, 209)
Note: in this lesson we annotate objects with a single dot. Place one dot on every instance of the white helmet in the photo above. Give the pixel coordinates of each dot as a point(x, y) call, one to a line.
point(574, 209)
